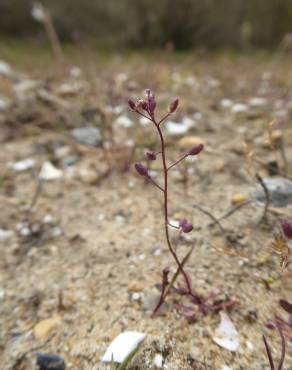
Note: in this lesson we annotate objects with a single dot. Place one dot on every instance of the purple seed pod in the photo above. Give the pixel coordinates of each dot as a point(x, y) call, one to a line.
point(132, 104)
point(270, 325)
point(151, 105)
point(287, 228)
point(142, 104)
point(185, 226)
point(195, 150)
point(141, 169)
point(145, 106)
point(151, 101)
point(182, 222)
point(151, 156)
point(286, 306)
point(149, 94)
point(173, 106)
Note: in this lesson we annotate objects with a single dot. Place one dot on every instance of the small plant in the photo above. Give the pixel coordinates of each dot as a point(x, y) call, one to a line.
point(281, 243)
point(147, 109)
point(280, 324)
point(284, 327)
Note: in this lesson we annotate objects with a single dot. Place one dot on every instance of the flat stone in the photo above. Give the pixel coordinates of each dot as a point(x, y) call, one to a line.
point(47, 361)
point(238, 199)
point(89, 135)
point(280, 190)
point(44, 328)
point(135, 286)
point(187, 142)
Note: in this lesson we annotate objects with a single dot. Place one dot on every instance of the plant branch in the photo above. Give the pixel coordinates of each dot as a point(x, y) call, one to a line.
point(164, 118)
point(155, 183)
point(215, 220)
point(267, 197)
point(283, 343)
point(268, 350)
point(177, 162)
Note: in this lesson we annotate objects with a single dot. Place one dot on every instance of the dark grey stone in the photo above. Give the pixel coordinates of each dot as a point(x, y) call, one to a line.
point(280, 190)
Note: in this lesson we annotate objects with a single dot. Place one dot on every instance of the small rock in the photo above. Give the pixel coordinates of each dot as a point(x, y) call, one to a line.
point(188, 142)
point(178, 128)
point(238, 199)
point(4, 104)
point(23, 165)
point(88, 176)
point(50, 172)
point(251, 316)
point(5, 235)
point(135, 287)
point(124, 121)
point(280, 191)
point(136, 297)
point(71, 88)
point(26, 86)
point(150, 301)
point(89, 135)
point(257, 102)
point(239, 108)
point(226, 103)
point(158, 361)
point(5, 69)
point(44, 328)
point(47, 361)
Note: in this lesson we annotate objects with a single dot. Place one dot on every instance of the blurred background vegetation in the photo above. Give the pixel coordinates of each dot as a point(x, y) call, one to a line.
point(179, 24)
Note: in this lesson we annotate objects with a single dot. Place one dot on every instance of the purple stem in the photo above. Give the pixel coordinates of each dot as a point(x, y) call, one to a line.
point(177, 162)
point(281, 363)
point(172, 251)
point(268, 349)
point(155, 183)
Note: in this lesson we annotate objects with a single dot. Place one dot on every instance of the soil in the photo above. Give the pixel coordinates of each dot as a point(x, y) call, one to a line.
point(91, 248)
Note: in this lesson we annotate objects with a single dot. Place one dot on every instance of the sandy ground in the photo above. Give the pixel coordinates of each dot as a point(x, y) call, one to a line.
point(98, 239)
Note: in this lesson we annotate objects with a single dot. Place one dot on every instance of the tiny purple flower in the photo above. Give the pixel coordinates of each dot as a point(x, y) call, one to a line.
point(142, 104)
point(141, 169)
point(185, 226)
point(151, 156)
point(132, 104)
point(173, 106)
point(287, 228)
point(196, 150)
point(151, 101)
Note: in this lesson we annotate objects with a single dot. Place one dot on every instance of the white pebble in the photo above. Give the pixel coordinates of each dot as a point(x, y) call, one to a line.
point(122, 346)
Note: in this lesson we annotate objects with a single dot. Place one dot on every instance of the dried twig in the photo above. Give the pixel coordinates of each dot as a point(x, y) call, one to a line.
point(215, 220)
point(264, 217)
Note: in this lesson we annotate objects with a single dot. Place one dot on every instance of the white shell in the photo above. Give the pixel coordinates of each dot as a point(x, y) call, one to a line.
point(122, 346)
point(226, 335)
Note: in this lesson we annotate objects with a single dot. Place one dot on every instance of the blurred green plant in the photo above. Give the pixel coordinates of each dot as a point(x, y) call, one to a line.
point(179, 24)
